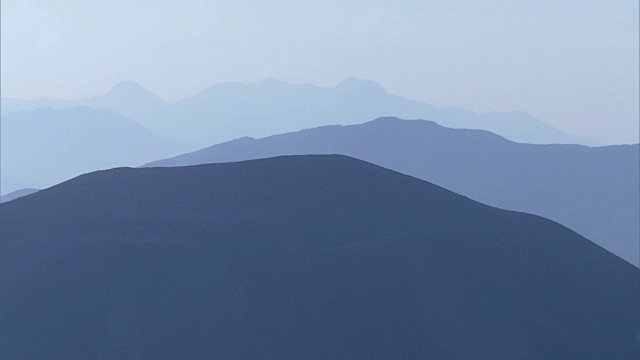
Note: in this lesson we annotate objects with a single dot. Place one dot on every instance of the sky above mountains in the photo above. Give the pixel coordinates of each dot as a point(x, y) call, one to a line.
point(573, 64)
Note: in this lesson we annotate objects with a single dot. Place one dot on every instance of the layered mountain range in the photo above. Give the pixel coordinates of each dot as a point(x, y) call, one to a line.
point(227, 111)
point(592, 190)
point(42, 147)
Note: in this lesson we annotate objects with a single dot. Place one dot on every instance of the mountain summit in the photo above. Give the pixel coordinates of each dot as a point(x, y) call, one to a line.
point(230, 110)
point(592, 190)
point(360, 86)
point(130, 99)
point(310, 257)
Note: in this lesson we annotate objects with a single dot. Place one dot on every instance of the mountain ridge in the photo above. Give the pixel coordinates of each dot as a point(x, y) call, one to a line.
point(45, 146)
point(17, 194)
point(243, 109)
point(300, 257)
point(272, 106)
point(593, 190)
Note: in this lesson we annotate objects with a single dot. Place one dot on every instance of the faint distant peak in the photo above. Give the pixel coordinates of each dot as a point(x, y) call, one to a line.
point(17, 194)
point(395, 121)
point(360, 85)
point(127, 86)
point(387, 119)
point(128, 89)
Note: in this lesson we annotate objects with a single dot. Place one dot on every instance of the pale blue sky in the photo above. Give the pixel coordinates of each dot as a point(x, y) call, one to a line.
point(573, 64)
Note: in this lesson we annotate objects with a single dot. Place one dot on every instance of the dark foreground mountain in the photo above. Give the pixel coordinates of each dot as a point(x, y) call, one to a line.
point(592, 190)
point(308, 257)
point(43, 147)
point(17, 194)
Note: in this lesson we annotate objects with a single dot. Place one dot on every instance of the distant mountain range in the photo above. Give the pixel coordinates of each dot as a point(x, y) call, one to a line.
point(17, 194)
point(127, 98)
point(230, 110)
point(592, 190)
point(304, 257)
point(43, 147)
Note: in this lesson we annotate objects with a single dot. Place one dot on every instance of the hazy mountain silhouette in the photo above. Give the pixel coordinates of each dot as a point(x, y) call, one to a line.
point(7, 182)
point(46, 146)
point(310, 257)
point(592, 190)
point(16, 194)
point(130, 99)
point(9, 106)
point(127, 98)
point(229, 110)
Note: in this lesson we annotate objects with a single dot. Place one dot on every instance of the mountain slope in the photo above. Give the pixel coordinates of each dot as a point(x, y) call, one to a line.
point(46, 146)
point(128, 98)
point(593, 191)
point(16, 194)
point(230, 110)
point(300, 257)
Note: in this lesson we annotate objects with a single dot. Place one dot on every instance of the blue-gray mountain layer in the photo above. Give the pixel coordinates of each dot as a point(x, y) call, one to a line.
point(227, 111)
point(17, 194)
point(43, 147)
point(127, 98)
point(592, 190)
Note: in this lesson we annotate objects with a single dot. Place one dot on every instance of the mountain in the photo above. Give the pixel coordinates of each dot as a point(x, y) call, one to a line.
point(46, 146)
point(300, 257)
point(230, 110)
point(7, 182)
point(17, 194)
point(592, 190)
point(127, 98)
point(9, 106)
point(227, 111)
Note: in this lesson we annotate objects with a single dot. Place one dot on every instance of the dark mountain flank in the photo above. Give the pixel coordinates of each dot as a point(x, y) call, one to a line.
point(592, 190)
point(305, 257)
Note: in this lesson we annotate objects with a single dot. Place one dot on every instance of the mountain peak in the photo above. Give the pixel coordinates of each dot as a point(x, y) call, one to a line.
point(326, 255)
point(269, 81)
point(128, 89)
point(360, 85)
point(131, 99)
point(127, 86)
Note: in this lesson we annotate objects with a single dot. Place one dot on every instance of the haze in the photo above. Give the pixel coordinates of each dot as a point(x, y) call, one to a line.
point(572, 64)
